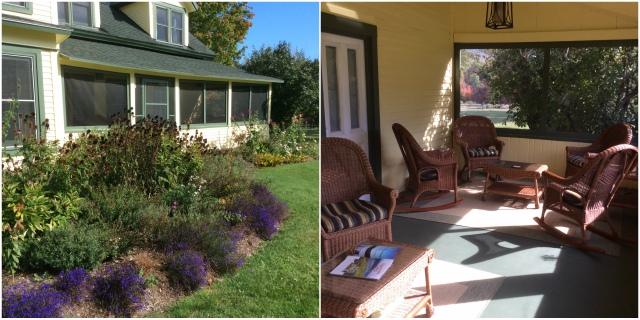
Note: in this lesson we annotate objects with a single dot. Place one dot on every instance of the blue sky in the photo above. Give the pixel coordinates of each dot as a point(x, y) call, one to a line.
point(294, 22)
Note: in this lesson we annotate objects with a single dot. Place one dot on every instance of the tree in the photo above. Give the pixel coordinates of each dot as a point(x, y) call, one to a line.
point(566, 89)
point(298, 95)
point(221, 26)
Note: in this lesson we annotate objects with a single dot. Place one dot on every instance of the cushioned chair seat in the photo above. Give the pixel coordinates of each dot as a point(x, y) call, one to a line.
point(489, 151)
point(573, 198)
point(429, 175)
point(576, 160)
point(349, 214)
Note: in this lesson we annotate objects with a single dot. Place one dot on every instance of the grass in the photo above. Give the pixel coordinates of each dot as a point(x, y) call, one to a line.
point(281, 278)
point(498, 117)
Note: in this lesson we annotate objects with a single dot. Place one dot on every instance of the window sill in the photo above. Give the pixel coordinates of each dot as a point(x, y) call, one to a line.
point(203, 126)
point(555, 136)
point(85, 128)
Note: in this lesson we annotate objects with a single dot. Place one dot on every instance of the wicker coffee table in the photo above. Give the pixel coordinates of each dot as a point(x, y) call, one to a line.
point(345, 297)
point(516, 171)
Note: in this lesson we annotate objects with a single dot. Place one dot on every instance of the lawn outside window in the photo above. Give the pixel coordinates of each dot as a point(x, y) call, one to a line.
point(566, 91)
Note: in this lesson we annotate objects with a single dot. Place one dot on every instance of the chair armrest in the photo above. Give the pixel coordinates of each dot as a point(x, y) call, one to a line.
point(384, 195)
point(554, 177)
point(580, 150)
point(499, 144)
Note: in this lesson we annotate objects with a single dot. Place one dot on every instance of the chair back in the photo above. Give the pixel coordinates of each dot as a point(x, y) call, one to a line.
point(619, 133)
point(601, 177)
point(346, 170)
point(476, 131)
point(408, 147)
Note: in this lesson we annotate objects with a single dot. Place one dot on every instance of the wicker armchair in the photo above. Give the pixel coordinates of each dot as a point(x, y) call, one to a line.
point(586, 196)
point(346, 220)
point(478, 141)
point(577, 157)
point(434, 170)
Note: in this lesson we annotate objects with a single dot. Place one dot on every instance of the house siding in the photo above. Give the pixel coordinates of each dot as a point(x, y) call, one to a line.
point(50, 94)
point(43, 11)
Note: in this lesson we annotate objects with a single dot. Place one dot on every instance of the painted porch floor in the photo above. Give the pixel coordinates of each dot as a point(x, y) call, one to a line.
point(542, 279)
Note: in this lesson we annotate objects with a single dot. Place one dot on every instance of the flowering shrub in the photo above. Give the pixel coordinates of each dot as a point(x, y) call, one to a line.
point(28, 301)
point(71, 283)
point(120, 289)
point(205, 234)
point(263, 212)
point(186, 270)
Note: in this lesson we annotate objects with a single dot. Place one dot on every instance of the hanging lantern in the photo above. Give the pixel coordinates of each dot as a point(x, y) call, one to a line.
point(499, 15)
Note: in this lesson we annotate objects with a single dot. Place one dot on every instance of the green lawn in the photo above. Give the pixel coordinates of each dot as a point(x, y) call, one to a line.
point(281, 278)
point(498, 117)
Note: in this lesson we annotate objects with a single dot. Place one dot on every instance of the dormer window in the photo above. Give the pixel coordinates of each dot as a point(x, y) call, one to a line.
point(75, 13)
point(169, 24)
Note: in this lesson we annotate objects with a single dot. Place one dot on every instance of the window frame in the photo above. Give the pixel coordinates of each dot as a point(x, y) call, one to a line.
point(38, 91)
point(206, 124)
point(251, 85)
point(27, 9)
point(528, 133)
point(144, 83)
point(69, 5)
point(170, 9)
point(71, 129)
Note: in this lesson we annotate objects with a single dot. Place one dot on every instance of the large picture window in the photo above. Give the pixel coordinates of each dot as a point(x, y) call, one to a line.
point(249, 100)
point(18, 98)
point(155, 98)
point(94, 98)
point(203, 102)
point(560, 91)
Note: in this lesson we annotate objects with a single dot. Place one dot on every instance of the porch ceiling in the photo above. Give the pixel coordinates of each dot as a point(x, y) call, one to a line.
point(144, 60)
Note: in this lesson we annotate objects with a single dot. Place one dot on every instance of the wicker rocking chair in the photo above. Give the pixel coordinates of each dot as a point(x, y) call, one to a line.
point(577, 157)
point(434, 170)
point(346, 220)
point(478, 141)
point(585, 197)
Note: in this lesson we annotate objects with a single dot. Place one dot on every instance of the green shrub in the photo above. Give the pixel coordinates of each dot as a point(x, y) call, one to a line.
point(225, 175)
point(70, 246)
point(118, 206)
point(34, 199)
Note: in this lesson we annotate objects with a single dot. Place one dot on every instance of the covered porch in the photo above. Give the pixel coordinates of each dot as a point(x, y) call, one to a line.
point(417, 64)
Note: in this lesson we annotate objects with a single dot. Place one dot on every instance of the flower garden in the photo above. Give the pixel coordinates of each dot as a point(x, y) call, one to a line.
point(131, 220)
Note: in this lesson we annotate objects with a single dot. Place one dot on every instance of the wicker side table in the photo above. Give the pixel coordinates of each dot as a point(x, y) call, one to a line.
point(515, 170)
point(350, 297)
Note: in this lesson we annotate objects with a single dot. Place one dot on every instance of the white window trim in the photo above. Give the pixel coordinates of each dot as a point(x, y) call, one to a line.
point(170, 10)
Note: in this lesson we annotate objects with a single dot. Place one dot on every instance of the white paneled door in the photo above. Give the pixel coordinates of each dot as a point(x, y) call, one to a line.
point(344, 89)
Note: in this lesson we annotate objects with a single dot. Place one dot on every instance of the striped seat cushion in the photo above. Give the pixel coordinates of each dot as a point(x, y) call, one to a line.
point(349, 214)
point(573, 198)
point(490, 151)
point(429, 175)
point(577, 160)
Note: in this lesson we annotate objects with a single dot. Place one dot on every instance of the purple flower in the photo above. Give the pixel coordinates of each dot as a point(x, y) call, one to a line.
point(29, 301)
point(262, 211)
point(120, 289)
point(71, 283)
point(186, 270)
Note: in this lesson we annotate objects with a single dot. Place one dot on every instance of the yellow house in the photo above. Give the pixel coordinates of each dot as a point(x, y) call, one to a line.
point(78, 64)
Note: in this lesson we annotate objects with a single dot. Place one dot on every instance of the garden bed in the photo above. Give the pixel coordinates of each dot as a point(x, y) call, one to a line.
point(127, 221)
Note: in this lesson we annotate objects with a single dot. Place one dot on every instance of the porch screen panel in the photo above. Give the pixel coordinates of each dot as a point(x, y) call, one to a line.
point(191, 102)
point(259, 102)
point(564, 91)
point(94, 98)
point(156, 99)
point(216, 98)
point(240, 108)
point(18, 96)
point(332, 89)
point(353, 89)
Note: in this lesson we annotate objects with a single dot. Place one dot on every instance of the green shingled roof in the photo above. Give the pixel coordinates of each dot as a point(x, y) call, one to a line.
point(146, 60)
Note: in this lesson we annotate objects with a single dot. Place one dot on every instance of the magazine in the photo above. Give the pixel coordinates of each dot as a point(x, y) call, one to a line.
point(369, 262)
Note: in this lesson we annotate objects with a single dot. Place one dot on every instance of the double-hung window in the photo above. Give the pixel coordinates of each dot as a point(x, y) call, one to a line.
point(169, 24)
point(75, 13)
point(19, 98)
point(94, 98)
point(155, 98)
point(203, 102)
point(249, 100)
point(20, 7)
